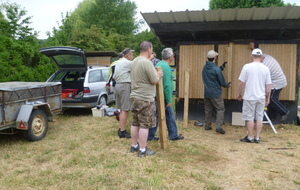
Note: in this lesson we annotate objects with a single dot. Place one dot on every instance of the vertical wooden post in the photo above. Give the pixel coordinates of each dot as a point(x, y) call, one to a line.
point(229, 69)
point(186, 98)
point(161, 113)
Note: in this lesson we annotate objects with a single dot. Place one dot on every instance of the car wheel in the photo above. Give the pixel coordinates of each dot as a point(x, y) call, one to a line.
point(37, 126)
point(102, 101)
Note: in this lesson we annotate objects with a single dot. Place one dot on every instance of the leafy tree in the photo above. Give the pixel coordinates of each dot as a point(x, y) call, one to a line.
point(97, 25)
point(224, 4)
point(19, 56)
point(148, 36)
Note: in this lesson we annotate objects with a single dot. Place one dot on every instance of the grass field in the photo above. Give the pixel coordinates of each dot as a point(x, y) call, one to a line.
point(84, 152)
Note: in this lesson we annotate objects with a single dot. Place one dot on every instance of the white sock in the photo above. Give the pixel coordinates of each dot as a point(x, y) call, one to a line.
point(142, 149)
point(135, 146)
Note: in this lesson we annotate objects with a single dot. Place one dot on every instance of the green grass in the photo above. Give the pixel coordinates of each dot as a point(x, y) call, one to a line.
point(84, 152)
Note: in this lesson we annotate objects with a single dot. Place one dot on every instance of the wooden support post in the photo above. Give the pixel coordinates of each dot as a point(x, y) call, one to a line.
point(161, 113)
point(229, 69)
point(186, 98)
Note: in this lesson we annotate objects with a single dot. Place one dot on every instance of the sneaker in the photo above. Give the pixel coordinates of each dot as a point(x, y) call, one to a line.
point(247, 140)
point(123, 134)
point(153, 139)
point(198, 123)
point(256, 140)
point(177, 138)
point(284, 117)
point(132, 149)
point(220, 131)
point(147, 152)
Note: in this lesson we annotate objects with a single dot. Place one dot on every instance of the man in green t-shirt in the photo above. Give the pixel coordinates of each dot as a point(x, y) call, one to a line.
point(167, 58)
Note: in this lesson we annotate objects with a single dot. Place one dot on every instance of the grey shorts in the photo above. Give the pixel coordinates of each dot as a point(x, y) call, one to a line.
point(143, 113)
point(253, 110)
point(122, 93)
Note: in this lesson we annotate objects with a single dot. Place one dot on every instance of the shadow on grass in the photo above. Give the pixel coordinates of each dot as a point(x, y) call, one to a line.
point(77, 112)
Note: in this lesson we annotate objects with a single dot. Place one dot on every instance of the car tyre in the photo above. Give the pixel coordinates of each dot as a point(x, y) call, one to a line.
point(102, 101)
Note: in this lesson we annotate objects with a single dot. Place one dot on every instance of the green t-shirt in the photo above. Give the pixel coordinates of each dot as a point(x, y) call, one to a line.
point(143, 74)
point(167, 80)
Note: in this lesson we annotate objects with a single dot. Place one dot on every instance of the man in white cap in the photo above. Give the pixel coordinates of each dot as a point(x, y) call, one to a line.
point(278, 83)
point(213, 82)
point(255, 80)
point(123, 89)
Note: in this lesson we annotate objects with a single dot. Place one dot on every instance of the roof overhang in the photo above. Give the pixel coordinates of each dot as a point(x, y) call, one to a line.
point(270, 23)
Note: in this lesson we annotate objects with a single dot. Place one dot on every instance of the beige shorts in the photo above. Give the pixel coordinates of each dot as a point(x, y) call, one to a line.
point(122, 92)
point(253, 110)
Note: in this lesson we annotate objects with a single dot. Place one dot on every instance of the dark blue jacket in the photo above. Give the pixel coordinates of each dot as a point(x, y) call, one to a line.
point(213, 80)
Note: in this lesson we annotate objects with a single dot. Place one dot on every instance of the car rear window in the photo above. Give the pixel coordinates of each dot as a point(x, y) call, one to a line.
point(63, 60)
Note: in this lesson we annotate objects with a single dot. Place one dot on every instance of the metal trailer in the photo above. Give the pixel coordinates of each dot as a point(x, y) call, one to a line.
point(28, 106)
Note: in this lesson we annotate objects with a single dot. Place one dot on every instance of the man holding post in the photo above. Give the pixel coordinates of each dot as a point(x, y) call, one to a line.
point(144, 78)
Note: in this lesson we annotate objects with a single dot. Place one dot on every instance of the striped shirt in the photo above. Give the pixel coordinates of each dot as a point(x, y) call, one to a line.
point(277, 76)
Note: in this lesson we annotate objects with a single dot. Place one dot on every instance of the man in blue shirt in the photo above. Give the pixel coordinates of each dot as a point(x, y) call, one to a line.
point(213, 83)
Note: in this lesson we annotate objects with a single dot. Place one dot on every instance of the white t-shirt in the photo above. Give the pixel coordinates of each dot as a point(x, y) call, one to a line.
point(256, 76)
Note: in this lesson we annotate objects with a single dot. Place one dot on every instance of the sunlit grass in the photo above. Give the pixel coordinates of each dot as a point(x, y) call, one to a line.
point(84, 152)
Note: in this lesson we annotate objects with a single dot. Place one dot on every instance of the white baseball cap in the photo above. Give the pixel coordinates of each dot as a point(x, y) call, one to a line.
point(257, 52)
point(212, 54)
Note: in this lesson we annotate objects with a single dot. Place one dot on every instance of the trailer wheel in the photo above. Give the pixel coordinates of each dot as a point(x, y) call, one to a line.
point(37, 126)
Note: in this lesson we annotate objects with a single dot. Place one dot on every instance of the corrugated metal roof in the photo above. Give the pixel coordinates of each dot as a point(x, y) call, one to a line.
point(237, 14)
point(264, 23)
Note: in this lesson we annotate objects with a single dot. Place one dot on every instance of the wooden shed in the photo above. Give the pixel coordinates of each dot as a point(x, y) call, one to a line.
point(101, 58)
point(276, 30)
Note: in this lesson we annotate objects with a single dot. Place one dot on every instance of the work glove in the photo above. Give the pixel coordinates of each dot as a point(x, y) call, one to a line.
point(222, 67)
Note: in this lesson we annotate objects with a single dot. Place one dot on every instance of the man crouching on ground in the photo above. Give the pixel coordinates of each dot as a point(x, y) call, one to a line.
point(144, 78)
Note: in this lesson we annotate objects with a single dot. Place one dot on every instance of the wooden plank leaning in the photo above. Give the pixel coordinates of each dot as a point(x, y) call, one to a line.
point(161, 113)
point(186, 98)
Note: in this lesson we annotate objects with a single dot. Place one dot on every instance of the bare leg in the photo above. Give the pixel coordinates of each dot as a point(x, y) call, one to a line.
point(143, 135)
point(134, 134)
point(250, 126)
point(259, 125)
point(123, 119)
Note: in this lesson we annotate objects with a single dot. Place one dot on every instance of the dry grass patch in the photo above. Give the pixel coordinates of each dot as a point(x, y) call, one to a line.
point(84, 152)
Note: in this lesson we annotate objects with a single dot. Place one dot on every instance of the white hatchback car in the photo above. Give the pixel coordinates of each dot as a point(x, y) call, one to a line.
point(82, 86)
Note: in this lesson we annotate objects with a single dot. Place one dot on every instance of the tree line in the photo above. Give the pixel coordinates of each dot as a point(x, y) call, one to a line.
point(95, 25)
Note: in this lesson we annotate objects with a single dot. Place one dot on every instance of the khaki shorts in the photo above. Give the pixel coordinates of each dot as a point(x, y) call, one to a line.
point(122, 93)
point(143, 113)
point(253, 110)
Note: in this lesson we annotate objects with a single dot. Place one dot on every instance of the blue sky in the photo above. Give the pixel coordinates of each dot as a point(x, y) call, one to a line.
point(47, 13)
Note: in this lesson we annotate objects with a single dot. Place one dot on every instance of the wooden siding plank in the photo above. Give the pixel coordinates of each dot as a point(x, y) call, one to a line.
point(192, 57)
point(286, 55)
